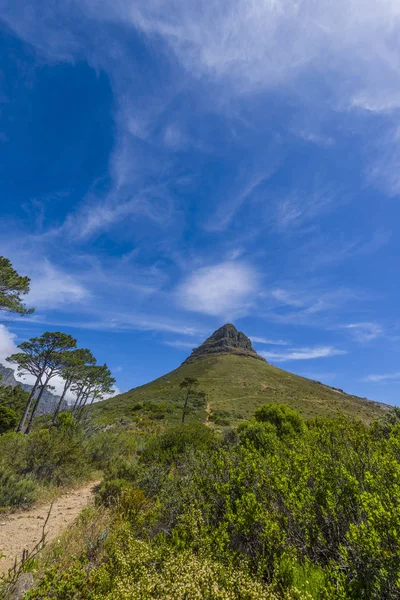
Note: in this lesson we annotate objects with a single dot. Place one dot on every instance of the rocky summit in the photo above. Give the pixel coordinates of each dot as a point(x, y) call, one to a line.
point(235, 386)
point(226, 340)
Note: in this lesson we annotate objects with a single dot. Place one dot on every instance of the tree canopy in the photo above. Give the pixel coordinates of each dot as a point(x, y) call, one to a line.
point(12, 287)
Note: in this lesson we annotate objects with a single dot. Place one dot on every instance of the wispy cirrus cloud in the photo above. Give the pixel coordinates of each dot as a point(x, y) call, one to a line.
point(248, 41)
point(303, 353)
point(180, 344)
point(52, 288)
point(383, 378)
point(364, 332)
point(267, 341)
point(302, 304)
point(104, 319)
point(295, 211)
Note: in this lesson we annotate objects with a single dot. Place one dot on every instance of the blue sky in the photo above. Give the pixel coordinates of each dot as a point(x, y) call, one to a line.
point(168, 167)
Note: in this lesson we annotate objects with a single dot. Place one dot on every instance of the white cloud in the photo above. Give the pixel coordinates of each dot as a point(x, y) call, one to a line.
point(302, 353)
point(7, 344)
point(267, 341)
point(224, 290)
point(254, 43)
point(364, 332)
point(182, 345)
point(249, 45)
point(51, 288)
point(266, 42)
point(383, 378)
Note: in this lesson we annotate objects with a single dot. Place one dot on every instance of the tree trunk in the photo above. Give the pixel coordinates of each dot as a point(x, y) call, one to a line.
point(55, 414)
point(86, 412)
point(78, 397)
point(82, 401)
point(21, 423)
point(82, 405)
point(35, 406)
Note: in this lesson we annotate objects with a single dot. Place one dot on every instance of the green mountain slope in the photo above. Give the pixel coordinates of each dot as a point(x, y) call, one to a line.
point(236, 382)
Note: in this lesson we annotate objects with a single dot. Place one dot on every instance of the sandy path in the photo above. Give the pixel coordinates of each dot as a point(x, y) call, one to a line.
point(23, 530)
point(208, 414)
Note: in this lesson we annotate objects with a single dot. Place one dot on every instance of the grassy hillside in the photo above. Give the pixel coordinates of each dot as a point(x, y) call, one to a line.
point(235, 387)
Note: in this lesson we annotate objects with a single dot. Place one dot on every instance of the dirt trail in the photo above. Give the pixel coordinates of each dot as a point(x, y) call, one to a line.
point(208, 414)
point(23, 530)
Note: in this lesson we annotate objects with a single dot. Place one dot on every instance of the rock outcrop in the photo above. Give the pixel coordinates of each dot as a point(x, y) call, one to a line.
point(226, 340)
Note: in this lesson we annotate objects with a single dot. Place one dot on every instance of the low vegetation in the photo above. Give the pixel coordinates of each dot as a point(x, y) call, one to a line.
point(278, 508)
point(33, 466)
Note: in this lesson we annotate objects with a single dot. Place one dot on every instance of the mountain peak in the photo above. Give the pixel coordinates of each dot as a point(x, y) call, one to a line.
point(225, 340)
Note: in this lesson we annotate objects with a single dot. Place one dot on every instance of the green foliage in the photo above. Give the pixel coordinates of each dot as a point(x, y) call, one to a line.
point(45, 457)
point(111, 490)
point(314, 509)
point(12, 287)
point(274, 509)
point(13, 397)
point(55, 456)
point(8, 419)
point(16, 490)
point(138, 570)
point(105, 446)
point(263, 436)
point(173, 443)
point(285, 420)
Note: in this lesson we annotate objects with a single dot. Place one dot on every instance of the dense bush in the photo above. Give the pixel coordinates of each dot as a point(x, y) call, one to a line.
point(13, 397)
point(16, 490)
point(8, 419)
point(140, 570)
point(54, 456)
point(105, 445)
point(286, 420)
point(173, 443)
point(60, 455)
point(275, 509)
point(317, 507)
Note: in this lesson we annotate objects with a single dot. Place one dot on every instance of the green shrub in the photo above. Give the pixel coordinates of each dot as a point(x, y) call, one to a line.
point(104, 446)
point(55, 456)
point(173, 443)
point(16, 491)
point(139, 570)
point(261, 435)
point(8, 419)
point(111, 491)
point(286, 420)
